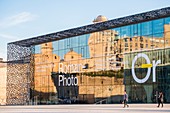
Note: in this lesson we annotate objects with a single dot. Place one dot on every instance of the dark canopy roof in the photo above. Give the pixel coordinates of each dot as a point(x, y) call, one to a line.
point(132, 19)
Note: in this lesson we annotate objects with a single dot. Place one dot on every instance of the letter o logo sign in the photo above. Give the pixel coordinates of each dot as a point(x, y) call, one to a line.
point(133, 68)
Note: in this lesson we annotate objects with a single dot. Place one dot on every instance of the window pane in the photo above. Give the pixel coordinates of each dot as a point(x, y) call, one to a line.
point(158, 26)
point(74, 42)
point(146, 28)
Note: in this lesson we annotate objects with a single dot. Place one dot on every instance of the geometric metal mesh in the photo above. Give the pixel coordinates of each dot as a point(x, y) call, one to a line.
point(18, 74)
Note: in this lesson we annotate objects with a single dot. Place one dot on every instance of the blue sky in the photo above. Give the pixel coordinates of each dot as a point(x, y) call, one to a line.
point(21, 19)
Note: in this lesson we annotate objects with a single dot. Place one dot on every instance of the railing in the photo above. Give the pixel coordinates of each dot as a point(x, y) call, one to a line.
point(101, 101)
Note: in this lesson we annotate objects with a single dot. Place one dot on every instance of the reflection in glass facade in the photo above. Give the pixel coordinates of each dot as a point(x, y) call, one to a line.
point(97, 67)
point(83, 69)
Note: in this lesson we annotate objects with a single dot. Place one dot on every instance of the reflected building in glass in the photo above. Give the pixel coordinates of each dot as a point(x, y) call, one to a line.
point(96, 63)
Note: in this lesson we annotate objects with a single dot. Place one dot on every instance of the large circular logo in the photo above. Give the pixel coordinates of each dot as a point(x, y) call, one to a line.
point(133, 68)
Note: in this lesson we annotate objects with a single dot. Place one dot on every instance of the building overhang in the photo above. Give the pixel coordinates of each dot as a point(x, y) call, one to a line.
point(128, 20)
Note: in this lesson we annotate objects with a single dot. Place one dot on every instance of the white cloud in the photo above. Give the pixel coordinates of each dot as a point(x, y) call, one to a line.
point(11, 21)
point(17, 19)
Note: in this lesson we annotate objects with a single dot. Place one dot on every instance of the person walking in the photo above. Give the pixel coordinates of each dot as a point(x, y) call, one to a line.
point(125, 99)
point(160, 99)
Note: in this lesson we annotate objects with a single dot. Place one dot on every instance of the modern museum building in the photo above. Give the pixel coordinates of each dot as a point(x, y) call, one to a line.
point(93, 64)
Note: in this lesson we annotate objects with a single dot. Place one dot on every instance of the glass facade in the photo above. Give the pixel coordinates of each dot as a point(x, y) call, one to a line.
point(98, 67)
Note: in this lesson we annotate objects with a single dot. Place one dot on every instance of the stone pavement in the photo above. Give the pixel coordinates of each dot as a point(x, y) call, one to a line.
point(87, 108)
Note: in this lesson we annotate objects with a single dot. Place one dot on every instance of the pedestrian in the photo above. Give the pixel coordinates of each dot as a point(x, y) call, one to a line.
point(125, 99)
point(160, 99)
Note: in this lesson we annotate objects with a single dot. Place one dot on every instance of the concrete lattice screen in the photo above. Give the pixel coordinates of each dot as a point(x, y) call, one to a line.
point(19, 74)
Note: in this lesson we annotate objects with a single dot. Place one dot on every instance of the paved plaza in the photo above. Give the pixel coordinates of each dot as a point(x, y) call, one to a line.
point(102, 108)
